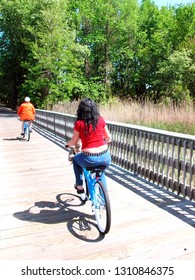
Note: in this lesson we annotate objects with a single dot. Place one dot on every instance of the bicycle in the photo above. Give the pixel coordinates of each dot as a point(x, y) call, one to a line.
point(26, 130)
point(96, 192)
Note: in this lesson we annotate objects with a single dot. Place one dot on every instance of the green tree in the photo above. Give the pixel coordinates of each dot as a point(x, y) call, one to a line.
point(55, 59)
point(60, 49)
point(44, 57)
point(108, 29)
point(154, 45)
point(12, 49)
point(177, 73)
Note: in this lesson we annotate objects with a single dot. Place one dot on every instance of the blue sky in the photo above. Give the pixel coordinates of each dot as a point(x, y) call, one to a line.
point(160, 3)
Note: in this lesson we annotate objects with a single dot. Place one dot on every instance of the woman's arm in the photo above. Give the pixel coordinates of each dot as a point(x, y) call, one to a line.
point(73, 141)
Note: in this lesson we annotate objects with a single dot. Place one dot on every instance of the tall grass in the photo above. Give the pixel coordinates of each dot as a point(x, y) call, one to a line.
point(167, 117)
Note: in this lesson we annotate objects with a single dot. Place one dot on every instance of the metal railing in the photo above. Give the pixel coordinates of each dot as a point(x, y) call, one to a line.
point(165, 158)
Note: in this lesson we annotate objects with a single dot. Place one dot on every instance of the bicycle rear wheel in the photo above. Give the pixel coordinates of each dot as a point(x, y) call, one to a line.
point(102, 208)
point(27, 132)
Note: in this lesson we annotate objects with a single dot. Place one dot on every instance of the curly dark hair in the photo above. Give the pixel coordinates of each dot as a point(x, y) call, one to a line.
point(88, 112)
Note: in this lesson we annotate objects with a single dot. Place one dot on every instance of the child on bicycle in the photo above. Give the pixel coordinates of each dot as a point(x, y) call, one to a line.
point(26, 112)
point(91, 128)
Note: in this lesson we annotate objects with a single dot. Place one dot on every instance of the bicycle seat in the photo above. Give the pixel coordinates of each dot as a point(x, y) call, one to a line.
point(96, 168)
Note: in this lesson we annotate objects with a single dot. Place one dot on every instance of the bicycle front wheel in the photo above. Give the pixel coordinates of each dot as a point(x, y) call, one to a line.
point(102, 207)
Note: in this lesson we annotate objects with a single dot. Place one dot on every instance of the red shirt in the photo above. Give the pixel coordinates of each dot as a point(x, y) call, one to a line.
point(94, 138)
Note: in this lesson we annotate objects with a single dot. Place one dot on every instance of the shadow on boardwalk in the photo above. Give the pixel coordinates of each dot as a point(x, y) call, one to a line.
point(165, 199)
point(63, 210)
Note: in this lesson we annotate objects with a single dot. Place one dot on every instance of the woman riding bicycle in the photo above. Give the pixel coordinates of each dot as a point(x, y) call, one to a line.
point(92, 130)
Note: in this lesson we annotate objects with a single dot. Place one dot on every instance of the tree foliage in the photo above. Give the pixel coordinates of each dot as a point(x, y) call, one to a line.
point(56, 50)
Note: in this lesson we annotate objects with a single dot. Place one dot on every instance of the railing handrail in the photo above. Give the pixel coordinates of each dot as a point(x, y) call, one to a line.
point(166, 158)
point(139, 127)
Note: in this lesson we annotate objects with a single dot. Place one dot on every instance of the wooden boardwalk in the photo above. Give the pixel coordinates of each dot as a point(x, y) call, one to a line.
point(41, 216)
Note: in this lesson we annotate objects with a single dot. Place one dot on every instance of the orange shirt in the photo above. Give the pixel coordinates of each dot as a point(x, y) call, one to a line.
point(26, 111)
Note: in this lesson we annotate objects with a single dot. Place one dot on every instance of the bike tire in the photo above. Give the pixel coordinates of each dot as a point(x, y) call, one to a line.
point(102, 208)
point(27, 133)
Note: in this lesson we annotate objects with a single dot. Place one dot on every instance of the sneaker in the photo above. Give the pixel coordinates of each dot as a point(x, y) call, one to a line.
point(81, 194)
point(22, 133)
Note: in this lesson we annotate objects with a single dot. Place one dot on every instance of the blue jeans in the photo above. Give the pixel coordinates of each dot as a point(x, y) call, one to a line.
point(81, 160)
